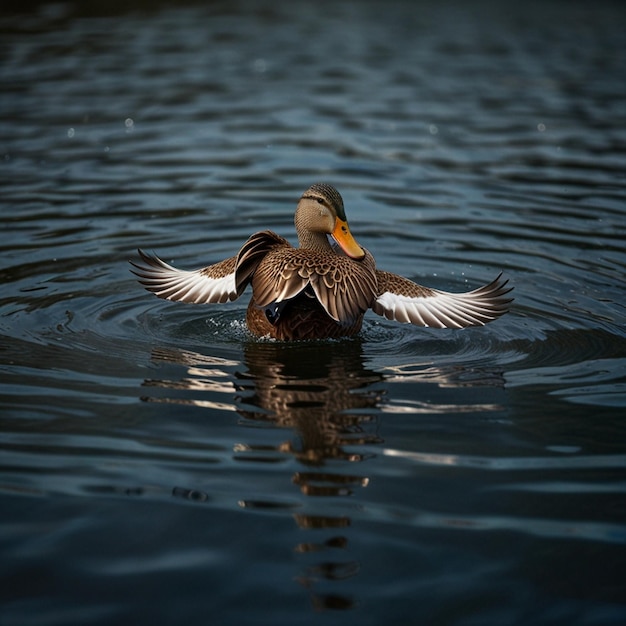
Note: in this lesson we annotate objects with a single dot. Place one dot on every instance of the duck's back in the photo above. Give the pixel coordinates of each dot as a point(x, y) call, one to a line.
point(298, 293)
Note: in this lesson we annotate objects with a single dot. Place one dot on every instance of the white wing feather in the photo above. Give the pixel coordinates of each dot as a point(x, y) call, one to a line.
point(212, 284)
point(440, 309)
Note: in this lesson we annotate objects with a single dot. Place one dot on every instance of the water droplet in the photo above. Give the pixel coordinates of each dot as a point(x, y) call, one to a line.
point(541, 127)
point(432, 129)
point(260, 66)
point(70, 132)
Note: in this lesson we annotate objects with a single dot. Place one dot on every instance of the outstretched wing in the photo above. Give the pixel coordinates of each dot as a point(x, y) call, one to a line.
point(212, 284)
point(254, 251)
point(404, 301)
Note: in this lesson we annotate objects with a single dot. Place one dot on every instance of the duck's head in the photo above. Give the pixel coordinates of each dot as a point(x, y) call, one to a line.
point(320, 213)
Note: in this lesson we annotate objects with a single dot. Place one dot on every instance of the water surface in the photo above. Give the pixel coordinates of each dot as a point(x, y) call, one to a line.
point(160, 465)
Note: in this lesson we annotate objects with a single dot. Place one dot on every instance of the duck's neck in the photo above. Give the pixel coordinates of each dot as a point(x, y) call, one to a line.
point(308, 237)
point(314, 241)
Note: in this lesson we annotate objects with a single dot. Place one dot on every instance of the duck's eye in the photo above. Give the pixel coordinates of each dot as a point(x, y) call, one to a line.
point(319, 201)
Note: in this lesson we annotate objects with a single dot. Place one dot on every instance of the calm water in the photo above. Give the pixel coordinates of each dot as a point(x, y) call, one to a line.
point(159, 465)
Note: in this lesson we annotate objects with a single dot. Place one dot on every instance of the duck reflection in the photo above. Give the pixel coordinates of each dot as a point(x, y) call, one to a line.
point(323, 393)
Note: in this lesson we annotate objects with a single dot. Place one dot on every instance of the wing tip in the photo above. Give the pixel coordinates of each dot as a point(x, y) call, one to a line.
point(175, 285)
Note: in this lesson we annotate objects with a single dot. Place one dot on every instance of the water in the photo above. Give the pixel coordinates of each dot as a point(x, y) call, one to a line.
point(159, 465)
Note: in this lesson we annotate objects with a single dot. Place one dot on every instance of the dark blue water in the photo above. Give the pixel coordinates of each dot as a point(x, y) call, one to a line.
point(158, 465)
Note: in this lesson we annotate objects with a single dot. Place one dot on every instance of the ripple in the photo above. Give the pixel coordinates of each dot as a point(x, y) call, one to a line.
point(397, 345)
point(508, 464)
point(612, 394)
point(574, 530)
point(567, 358)
point(176, 324)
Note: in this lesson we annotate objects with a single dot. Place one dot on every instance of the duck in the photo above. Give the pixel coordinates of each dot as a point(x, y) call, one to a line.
point(321, 289)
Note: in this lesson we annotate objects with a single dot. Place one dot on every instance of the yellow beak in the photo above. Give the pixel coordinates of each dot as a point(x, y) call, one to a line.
point(342, 235)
